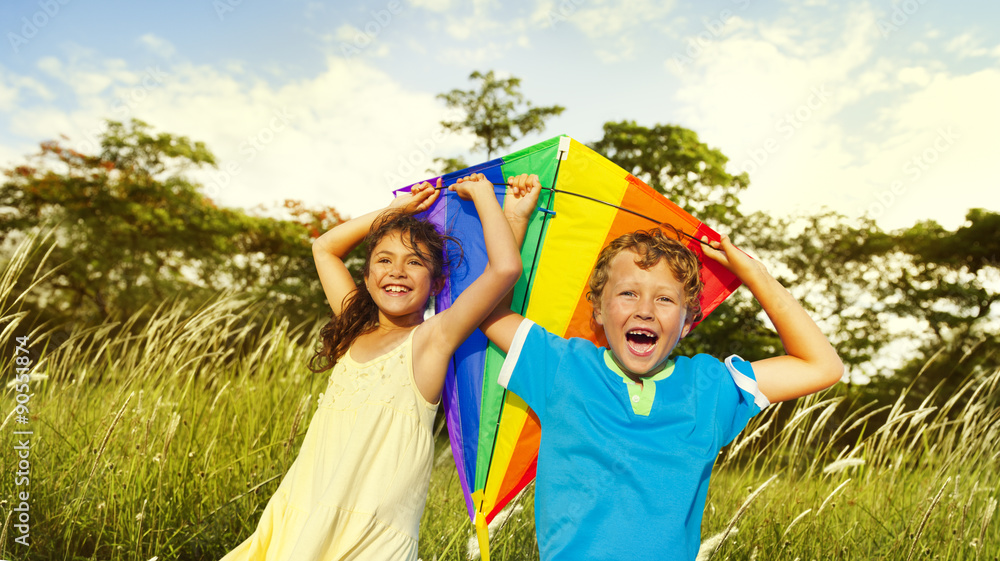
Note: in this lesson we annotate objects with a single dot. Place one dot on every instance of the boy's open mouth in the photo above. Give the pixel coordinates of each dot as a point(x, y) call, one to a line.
point(641, 341)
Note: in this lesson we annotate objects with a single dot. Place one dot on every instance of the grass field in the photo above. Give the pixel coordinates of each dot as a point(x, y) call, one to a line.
point(168, 442)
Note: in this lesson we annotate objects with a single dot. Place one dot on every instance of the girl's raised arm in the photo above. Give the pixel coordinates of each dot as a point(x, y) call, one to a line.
point(330, 249)
point(443, 333)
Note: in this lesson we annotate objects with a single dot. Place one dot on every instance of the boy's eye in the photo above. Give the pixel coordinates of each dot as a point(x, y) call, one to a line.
point(665, 299)
point(627, 293)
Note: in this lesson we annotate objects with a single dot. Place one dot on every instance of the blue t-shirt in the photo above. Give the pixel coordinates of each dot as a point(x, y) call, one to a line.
point(611, 483)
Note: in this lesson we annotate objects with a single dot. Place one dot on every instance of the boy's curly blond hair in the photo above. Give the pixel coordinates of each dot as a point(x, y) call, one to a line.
point(650, 246)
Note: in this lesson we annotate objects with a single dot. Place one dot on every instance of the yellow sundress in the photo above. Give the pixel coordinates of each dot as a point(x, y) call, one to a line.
point(357, 489)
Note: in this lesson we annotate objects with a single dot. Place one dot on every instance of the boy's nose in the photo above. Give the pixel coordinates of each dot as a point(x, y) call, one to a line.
point(644, 309)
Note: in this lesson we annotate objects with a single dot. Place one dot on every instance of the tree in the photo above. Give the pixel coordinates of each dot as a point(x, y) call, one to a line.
point(870, 289)
point(132, 230)
point(491, 112)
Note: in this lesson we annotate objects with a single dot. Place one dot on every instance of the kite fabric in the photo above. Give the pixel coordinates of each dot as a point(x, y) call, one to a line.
point(586, 202)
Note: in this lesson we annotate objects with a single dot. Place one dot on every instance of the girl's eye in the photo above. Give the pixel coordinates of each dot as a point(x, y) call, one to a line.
point(415, 262)
point(383, 260)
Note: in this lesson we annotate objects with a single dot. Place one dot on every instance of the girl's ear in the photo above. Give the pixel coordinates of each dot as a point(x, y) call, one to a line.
point(437, 286)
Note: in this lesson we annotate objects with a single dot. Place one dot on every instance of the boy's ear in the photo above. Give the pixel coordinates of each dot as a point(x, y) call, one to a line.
point(688, 324)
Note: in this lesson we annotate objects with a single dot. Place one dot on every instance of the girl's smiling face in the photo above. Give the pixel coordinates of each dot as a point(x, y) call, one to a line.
point(399, 281)
point(643, 314)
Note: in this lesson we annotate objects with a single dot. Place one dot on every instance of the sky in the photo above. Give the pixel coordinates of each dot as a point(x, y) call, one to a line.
point(874, 107)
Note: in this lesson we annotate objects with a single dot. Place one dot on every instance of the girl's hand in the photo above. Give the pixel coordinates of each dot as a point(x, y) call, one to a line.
point(419, 199)
point(465, 186)
point(731, 257)
point(522, 197)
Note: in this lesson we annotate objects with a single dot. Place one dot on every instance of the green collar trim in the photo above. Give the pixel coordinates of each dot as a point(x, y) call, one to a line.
point(641, 396)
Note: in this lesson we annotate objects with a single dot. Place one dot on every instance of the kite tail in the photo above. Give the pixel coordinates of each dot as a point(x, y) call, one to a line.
point(483, 534)
point(482, 528)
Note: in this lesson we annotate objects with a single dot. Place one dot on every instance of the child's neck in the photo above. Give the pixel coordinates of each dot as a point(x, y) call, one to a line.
point(379, 341)
point(637, 378)
point(389, 324)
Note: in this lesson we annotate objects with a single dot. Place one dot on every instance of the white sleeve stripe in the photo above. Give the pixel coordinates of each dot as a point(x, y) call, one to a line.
point(746, 383)
point(514, 351)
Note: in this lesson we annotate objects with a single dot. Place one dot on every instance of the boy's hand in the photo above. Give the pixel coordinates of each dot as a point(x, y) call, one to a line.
point(731, 257)
point(521, 199)
point(466, 185)
point(419, 199)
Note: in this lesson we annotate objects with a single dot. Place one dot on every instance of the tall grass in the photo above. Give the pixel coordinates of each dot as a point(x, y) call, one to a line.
point(166, 438)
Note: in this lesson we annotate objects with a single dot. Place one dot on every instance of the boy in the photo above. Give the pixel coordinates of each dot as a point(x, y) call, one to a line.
point(629, 436)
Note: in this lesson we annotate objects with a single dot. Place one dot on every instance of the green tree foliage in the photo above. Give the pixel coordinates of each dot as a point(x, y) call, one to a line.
point(672, 160)
point(491, 112)
point(949, 282)
point(132, 230)
point(872, 290)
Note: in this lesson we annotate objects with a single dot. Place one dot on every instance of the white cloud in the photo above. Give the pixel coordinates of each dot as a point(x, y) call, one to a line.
point(13, 87)
point(966, 46)
point(313, 9)
point(945, 165)
point(914, 75)
point(608, 24)
point(158, 45)
point(437, 6)
point(805, 113)
point(87, 77)
point(347, 33)
point(332, 139)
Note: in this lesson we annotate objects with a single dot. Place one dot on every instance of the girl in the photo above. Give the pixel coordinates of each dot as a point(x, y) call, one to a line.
point(358, 486)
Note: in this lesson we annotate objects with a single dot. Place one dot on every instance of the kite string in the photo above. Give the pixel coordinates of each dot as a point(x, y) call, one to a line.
point(639, 214)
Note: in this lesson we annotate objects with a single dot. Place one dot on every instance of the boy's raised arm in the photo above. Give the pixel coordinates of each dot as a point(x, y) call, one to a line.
point(811, 363)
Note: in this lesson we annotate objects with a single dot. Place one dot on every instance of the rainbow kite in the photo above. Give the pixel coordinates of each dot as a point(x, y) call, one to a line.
point(586, 202)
